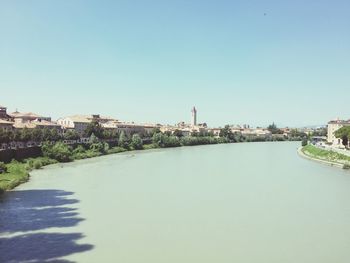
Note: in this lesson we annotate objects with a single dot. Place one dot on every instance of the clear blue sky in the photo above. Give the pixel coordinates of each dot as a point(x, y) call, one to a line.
point(150, 61)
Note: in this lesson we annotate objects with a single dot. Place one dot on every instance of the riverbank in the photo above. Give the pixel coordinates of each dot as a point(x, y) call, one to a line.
point(18, 172)
point(327, 157)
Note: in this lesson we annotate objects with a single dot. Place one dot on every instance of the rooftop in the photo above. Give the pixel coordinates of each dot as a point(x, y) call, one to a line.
point(339, 122)
point(87, 118)
point(17, 114)
point(45, 123)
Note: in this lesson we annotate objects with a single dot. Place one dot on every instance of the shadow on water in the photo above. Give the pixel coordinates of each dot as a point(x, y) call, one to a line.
point(22, 212)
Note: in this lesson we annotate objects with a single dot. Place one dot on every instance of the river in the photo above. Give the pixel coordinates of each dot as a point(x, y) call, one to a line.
point(246, 203)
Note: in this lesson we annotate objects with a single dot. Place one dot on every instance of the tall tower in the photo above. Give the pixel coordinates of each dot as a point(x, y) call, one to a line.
point(194, 116)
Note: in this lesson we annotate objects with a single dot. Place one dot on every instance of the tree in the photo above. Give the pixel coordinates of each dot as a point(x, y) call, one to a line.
point(157, 139)
point(94, 127)
point(123, 140)
point(304, 142)
point(93, 139)
point(344, 134)
point(226, 132)
point(71, 135)
point(178, 133)
point(136, 142)
point(25, 134)
point(37, 134)
point(46, 135)
point(59, 151)
point(154, 131)
point(5, 136)
point(54, 135)
point(101, 147)
point(194, 133)
point(273, 129)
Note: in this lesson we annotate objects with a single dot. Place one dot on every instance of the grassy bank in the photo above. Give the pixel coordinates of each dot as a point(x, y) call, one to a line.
point(18, 172)
point(326, 155)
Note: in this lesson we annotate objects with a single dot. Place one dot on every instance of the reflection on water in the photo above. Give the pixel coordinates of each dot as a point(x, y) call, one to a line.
point(24, 217)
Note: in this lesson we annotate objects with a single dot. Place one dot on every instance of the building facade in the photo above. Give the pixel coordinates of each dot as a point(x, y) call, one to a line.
point(332, 127)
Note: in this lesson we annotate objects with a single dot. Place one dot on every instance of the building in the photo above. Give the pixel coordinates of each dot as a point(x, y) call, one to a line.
point(128, 127)
point(79, 123)
point(38, 123)
point(194, 116)
point(6, 125)
point(27, 117)
point(32, 120)
point(3, 113)
point(5, 120)
point(332, 127)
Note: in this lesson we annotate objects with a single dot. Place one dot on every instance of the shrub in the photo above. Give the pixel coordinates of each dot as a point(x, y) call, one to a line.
point(59, 151)
point(346, 166)
point(100, 147)
point(37, 164)
point(79, 149)
point(136, 142)
point(123, 140)
point(304, 142)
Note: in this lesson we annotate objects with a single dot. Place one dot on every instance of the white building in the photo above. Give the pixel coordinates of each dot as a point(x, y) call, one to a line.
point(332, 127)
point(129, 127)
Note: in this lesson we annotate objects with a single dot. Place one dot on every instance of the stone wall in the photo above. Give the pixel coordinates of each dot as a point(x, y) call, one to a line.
point(19, 154)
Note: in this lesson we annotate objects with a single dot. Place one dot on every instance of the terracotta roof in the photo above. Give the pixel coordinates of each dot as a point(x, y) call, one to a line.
point(86, 118)
point(80, 118)
point(28, 125)
point(34, 124)
point(17, 114)
point(44, 123)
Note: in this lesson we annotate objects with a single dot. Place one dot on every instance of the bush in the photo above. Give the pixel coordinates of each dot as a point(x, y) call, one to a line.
point(136, 142)
point(304, 142)
point(37, 164)
point(79, 149)
point(100, 147)
point(59, 151)
point(123, 140)
point(346, 166)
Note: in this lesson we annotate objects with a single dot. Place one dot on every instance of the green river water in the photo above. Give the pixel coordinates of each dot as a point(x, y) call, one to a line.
point(248, 202)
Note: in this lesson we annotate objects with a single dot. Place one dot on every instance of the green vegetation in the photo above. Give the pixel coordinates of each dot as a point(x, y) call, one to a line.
point(58, 151)
point(123, 141)
point(15, 175)
point(304, 142)
point(344, 134)
point(117, 150)
point(273, 129)
point(326, 155)
point(136, 142)
point(18, 172)
point(149, 146)
point(55, 150)
point(346, 166)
